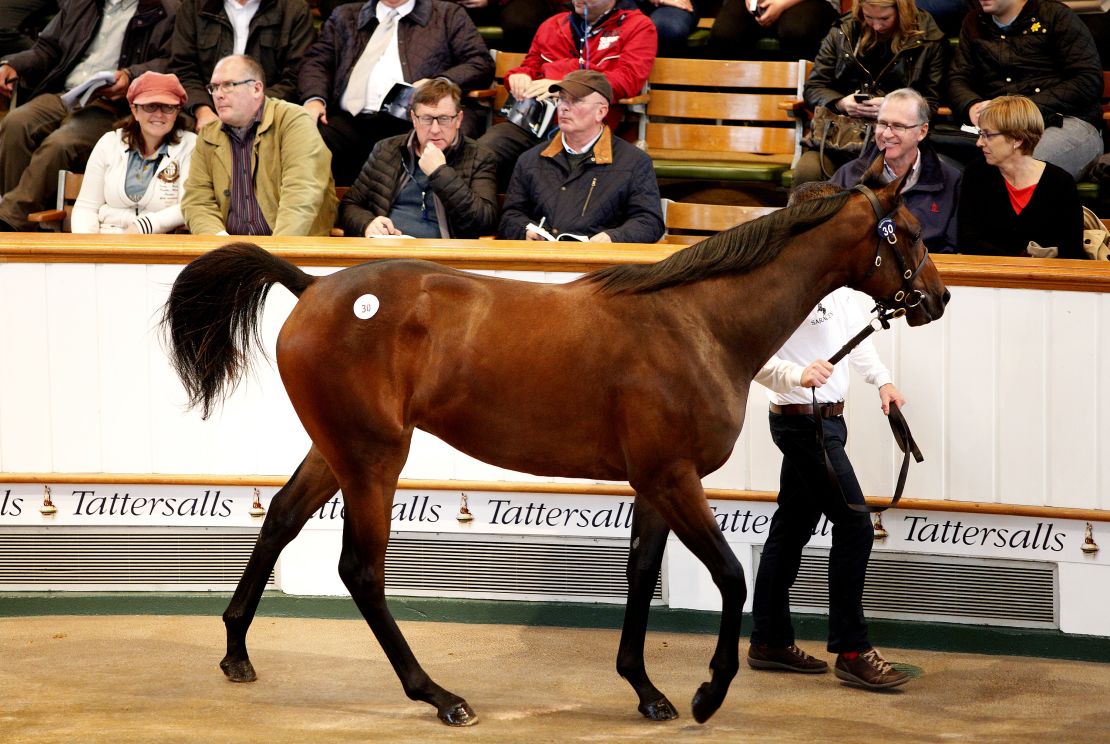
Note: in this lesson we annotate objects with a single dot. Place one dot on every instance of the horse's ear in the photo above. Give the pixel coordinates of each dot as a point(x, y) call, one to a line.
point(873, 176)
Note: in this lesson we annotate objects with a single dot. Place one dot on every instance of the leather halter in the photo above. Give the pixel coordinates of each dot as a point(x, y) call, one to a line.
point(887, 230)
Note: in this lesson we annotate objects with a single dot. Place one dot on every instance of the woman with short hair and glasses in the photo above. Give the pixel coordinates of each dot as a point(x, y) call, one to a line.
point(880, 46)
point(136, 174)
point(1013, 204)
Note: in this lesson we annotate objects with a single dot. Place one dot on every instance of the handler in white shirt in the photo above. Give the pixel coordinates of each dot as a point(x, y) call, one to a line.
point(806, 491)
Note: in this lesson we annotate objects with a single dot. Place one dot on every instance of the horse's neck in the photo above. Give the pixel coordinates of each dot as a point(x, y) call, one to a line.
point(753, 314)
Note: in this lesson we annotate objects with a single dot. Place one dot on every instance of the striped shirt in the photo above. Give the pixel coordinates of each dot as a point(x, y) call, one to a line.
point(244, 215)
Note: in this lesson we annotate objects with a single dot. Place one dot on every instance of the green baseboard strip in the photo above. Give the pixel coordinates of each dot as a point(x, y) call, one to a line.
point(932, 636)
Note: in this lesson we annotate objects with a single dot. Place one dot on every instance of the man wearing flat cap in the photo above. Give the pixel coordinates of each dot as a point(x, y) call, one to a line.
point(585, 182)
point(611, 37)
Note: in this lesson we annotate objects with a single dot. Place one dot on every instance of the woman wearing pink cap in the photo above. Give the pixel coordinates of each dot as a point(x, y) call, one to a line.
point(136, 174)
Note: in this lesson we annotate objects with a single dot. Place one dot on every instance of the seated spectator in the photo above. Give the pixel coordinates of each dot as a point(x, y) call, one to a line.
point(518, 19)
point(931, 191)
point(674, 21)
point(43, 135)
point(1013, 198)
point(585, 181)
point(621, 45)
point(363, 50)
point(1041, 50)
point(799, 25)
point(262, 169)
point(14, 15)
point(277, 33)
point(430, 183)
point(135, 175)
point(878, 47)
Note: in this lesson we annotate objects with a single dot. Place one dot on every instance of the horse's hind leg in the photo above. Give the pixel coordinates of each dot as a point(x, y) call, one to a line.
point(369, 501)
point(681, 501)
point(310, 487)
point(645, 556)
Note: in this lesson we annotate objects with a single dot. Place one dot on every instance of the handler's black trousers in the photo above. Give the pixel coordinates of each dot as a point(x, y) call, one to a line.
point(805, 494)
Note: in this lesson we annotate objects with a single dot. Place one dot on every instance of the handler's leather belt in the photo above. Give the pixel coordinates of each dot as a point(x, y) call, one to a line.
point(806, 409)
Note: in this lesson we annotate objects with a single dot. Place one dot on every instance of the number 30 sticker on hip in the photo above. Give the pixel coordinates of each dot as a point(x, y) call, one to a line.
point(366, 307)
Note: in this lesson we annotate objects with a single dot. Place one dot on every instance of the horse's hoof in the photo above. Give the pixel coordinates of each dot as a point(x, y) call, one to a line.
point(238, 670)
point(706, 702)
point(459, 714)
point(660, 710)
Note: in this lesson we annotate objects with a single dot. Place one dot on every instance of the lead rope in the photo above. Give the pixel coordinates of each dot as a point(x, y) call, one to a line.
point(898, 426)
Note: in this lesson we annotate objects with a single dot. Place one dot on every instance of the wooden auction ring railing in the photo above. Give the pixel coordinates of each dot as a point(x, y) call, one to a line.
point(957, 270)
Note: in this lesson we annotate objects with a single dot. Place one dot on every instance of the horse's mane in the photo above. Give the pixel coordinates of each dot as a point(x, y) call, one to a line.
point(737, 250)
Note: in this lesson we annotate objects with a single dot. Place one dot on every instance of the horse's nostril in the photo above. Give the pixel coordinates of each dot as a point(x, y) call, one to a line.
point(947, 296)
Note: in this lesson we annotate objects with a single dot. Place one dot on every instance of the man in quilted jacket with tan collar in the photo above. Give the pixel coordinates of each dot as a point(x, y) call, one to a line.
point(585, 184)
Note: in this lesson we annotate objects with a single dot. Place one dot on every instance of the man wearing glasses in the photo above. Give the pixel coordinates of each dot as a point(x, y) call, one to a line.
point(262, 169)
point(585, 184)
point(932, 190)
point(430, 183)
point(44, 135)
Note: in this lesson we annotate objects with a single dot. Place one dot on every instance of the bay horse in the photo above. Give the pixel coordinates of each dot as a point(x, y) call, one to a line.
point(635, 372)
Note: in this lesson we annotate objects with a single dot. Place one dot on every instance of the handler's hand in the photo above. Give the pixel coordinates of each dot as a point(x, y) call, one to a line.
point(817, 373)
point(889, 394)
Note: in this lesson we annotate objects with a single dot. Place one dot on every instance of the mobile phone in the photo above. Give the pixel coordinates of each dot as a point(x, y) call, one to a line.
point(861, 97)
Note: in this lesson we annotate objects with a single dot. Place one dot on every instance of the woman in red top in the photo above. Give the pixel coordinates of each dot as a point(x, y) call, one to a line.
point(1013, 204)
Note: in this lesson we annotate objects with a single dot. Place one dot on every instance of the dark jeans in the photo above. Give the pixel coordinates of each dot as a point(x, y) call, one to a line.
point(672, 26)
point(800, 30)
point(351, 138)
point(507, 142)
point(518, 20)
point(805, 494)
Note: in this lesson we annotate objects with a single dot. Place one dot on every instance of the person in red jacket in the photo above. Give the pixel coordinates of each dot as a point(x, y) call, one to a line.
point(610, 36)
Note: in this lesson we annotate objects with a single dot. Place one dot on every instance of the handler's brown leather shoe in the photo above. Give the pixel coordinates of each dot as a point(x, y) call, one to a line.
point(869, 669)
point(789, 658)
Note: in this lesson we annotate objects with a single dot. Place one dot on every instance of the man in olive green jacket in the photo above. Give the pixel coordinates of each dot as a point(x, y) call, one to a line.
point(262, 169)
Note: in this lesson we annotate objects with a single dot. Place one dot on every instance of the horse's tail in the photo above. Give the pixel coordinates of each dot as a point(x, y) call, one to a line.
point(212, 316)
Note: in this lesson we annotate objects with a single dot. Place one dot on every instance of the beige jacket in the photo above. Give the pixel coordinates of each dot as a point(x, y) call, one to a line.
point(292, 175)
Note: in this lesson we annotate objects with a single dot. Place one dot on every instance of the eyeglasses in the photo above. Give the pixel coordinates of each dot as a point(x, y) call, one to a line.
point(988, 135)
point(896, 128)
point(570, 102)
point(226, 86)
point(165, 108)
point(443, 121)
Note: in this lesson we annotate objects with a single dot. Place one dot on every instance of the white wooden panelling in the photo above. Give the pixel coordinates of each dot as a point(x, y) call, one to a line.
point(1005, 395)
point(1071, 419)
point(26, 428)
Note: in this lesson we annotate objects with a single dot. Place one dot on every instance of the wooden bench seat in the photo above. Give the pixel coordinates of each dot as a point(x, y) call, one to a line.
point(723, 120)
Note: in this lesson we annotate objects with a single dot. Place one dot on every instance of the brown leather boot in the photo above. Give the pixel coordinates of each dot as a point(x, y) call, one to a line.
point(789, 658)
point(870, 670)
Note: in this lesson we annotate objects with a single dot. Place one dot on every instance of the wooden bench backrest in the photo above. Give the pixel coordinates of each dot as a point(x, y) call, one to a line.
point(724, 110)
point(505, 61)
point(688, 222)
point(59, 218)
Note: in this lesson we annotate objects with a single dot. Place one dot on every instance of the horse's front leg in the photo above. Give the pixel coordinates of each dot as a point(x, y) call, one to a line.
point(369, 502)
point(645, 556)
point(310, 487)
point(680, 499)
